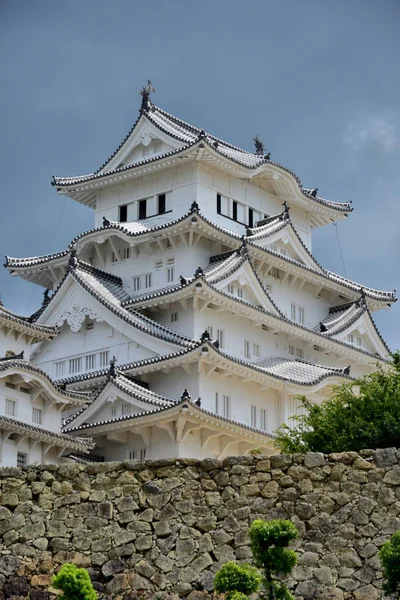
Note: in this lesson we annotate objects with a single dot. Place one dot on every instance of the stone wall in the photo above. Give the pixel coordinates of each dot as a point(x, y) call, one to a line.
point(164, 527)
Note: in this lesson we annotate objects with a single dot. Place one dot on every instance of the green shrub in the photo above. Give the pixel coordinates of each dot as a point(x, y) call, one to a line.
point(236, 581)
point(74, 583)
point(390, 560)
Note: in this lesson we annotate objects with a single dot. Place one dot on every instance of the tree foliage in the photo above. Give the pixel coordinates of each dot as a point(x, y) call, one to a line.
point(268, 545)
point(390, 560)
point(364, 413)
point(75, 583)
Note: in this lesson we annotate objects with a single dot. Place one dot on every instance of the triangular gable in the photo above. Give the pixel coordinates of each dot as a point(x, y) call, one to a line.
point(281, 237)
point(237, 273)
point(364, 327)
point(145, 140)
point(77, 299)
point(116, 392)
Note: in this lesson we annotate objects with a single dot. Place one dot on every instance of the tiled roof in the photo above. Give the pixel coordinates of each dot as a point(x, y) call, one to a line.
point(134, 230)
point(342, 317)
point(10, 363)
point(292, 371)
point(139, 392)
point(68, 440)
point(18, 321)
point(181, 404)
point(190, 135)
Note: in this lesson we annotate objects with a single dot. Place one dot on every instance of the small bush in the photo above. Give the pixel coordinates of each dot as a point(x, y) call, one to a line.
point(74, 583)
point(237, 581)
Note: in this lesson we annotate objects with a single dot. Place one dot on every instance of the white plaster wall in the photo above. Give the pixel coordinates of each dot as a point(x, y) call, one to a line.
point(99, 339)
point(51, 418)
point(9, 451)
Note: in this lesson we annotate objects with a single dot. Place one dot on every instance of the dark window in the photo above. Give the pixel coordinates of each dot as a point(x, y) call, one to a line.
point(142, 209)
point(251, 220)
point(234, 210)
point(219, 204)
point(161, 204)
point(123, 213)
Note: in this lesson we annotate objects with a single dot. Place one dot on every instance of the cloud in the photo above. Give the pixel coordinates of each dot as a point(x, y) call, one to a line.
point(381, 130)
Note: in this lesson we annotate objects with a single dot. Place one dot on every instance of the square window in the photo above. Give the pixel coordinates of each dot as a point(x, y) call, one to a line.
point(22, 459)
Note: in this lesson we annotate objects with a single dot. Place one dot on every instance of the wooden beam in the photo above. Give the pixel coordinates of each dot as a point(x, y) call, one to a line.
point(179, 427)
point(169, 427)
point(207, 435)
point(145, 433)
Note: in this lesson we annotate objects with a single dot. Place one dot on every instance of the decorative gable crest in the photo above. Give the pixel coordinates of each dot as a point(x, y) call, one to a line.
point(76, 316)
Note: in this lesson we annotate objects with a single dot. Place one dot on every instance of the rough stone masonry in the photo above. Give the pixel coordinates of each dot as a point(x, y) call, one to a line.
point(161, 529)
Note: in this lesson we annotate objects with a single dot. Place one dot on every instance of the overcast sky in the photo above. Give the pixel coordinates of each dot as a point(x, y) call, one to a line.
point(318, 81)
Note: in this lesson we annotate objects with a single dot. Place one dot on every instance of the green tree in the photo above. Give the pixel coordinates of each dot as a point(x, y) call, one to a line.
point(390, 560)
point(269, 541)
point(75, 583)
point(364, 413)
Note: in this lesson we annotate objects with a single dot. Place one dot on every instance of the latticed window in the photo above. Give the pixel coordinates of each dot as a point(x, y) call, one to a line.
point(22, 459)
point(220, 337)
point(11, 407)
point(263, 419)
point(137, 284)
point(126, 409)
point(104, 358)
point(254, 416)
point(75, 365)
point(226, 406)
point(147, 280)
point(37, 415)
point(247, 353)
point(90, 361)
point(170, 274)
point(60, 368)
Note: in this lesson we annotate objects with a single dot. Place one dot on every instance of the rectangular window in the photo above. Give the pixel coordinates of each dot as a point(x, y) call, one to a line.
point(240, 293)
point(274, 272)
point(231, 289)
point(171, 261)
point(220, 337)
point(126, 253)
point(174, 317)
point(89, 325)
point(132, 454)
point(170, 275)
point(256, 350)
point(234, 210)
point(75, 365)
point(350, 337)
point(359, 341)
point(147, 280)
point(161, 204)
point(123, 213)
point(247, 353)
point(60, 368)
point(126, 409)
point(263, 419)
point(299, 353)
point(218, 204)
point(11, 406)
point(216, 403)
point(297, 313)
point(137, 284)
point(251, 217)
point(142, 454)
point(226, 406)
point(254, 416)
point(158, 264)
point(142, 209)
point(113, 413)
point(291, 349)
point(10, 385)
point(22, 459)
point(104, 358)
point(90, 361)
point(210, 331)
point(37, 416)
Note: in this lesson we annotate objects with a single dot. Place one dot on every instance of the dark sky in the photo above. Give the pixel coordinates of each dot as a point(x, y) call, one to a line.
point(318, 81)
